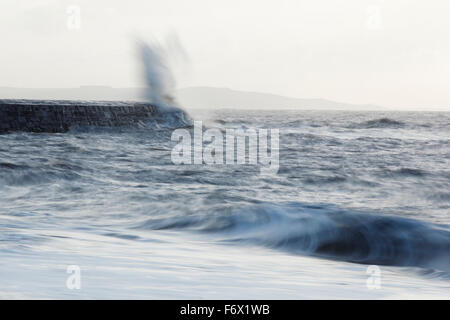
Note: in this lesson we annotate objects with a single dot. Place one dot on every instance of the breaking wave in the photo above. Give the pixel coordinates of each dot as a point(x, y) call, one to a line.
point(380, 123)
point(160, 86)
point(324, 231)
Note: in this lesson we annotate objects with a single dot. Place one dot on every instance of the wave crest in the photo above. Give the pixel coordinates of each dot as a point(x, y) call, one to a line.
point(380, 123)
point(325, 231)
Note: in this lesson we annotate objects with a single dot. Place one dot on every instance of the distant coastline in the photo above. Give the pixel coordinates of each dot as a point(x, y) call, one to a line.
point(198, 98)
point(191, 97)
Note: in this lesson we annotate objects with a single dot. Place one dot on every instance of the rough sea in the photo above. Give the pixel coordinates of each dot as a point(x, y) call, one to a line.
point(359, 208)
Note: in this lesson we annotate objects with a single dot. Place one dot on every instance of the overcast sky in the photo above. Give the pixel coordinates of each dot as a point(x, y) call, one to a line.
point(391, 53)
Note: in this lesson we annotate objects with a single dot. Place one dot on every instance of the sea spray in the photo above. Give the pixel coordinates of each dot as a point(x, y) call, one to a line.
point(158, 75)
point(161, 82)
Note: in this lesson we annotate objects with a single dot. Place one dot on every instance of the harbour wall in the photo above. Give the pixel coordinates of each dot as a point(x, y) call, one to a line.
point(60, 116)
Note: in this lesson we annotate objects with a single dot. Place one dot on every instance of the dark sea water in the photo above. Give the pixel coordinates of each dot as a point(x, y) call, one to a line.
point(353, 189)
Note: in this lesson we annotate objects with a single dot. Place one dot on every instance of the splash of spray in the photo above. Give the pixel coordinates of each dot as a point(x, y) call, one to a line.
point(158, 74)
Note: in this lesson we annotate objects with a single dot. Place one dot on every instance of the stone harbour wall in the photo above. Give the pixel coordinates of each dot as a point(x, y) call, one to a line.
point(59, 116)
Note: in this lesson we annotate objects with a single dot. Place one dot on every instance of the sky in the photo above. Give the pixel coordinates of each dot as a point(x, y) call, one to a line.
point(391, 53)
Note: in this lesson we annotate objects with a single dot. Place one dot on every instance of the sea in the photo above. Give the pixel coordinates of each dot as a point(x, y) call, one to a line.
point(358, 208)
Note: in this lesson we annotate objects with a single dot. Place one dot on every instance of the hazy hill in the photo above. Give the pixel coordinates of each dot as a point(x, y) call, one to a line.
point(205, 97)
point(193, 97)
